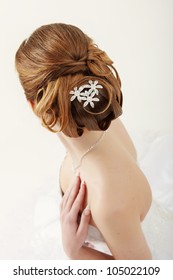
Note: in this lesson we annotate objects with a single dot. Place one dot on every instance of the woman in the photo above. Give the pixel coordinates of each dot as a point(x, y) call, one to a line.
point(74, 89)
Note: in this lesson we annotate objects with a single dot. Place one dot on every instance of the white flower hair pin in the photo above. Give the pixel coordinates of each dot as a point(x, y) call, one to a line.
point(86, 93)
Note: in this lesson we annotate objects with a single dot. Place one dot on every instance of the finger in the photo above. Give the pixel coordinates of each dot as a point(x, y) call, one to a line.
point(79, 201)
point(72, 194)
point(67, 193)
point(84, 222)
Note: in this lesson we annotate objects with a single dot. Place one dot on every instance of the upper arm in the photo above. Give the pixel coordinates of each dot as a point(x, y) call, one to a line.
point(121, 229)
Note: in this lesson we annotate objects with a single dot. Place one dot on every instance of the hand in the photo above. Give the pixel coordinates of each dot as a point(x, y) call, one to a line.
point(74, 232)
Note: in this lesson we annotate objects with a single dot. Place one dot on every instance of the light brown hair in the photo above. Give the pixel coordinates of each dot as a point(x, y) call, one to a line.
point(55, 59)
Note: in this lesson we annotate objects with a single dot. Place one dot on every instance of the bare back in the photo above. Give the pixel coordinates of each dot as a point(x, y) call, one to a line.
point(109, 168)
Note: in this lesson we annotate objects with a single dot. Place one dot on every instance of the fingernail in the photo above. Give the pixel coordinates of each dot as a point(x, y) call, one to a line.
point(77, 177)
point(87, 211)
point(83, 183)
point(77, 174)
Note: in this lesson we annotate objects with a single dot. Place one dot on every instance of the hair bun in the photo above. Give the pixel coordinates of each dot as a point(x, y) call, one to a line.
point(71, 67)
point(57, 58)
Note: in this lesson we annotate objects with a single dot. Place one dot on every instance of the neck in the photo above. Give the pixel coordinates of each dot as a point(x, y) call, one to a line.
point(76, 147)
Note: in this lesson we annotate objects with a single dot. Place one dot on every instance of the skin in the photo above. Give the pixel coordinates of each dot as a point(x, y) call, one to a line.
point(113, 179)
point(70, 207)
point(71, 204)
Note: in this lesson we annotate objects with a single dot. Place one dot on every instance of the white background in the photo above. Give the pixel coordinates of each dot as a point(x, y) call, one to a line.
point(136, 34)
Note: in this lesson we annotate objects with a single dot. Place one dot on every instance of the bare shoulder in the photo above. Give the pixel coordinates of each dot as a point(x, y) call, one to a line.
point(121, 186)
point(118, 209)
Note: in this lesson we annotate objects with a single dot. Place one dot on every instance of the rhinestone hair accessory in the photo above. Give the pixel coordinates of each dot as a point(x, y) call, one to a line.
point(86, 93)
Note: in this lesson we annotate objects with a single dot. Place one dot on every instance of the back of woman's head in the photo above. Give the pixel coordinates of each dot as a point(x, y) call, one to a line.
point(69, 80)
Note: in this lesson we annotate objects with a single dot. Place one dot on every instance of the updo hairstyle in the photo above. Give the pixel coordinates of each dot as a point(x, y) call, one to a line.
point(52, 62)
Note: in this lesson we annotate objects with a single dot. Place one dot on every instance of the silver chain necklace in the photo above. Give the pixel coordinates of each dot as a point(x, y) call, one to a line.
point(87, 151)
